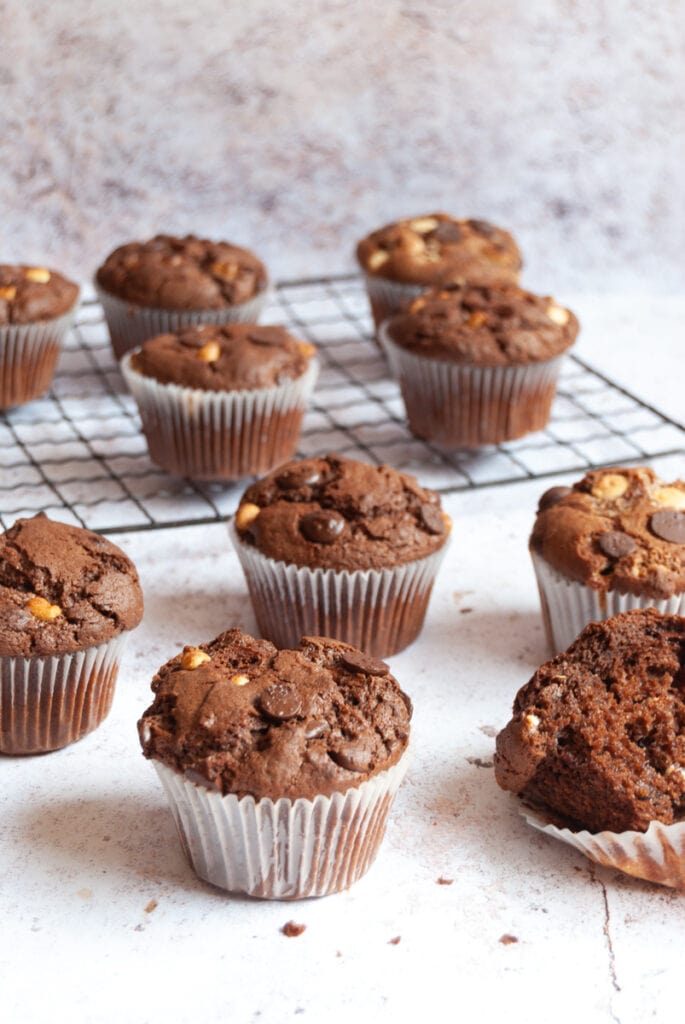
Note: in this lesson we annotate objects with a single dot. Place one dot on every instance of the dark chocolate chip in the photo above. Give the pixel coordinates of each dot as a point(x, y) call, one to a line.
point(280, 701)
point(552, 497)
point(446, 231)
point(432, 519)
point(616, 544)
point(322, 527)
point(357, 661)
point(299, 476)
point(354, 756)
point(669, 524)
point(484, 227)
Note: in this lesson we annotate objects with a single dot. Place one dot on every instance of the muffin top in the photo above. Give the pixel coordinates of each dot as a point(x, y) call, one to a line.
point(437, 249)
point(63, 589)
point(616, 529)
point(182, 273)
point(336, 513)
point(242, 717)
point(28, 294)
point(484, 326)
point(598, 734)
point(229, 357)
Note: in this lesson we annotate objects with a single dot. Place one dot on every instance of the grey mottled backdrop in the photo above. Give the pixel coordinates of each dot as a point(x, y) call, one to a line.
point(294, 127)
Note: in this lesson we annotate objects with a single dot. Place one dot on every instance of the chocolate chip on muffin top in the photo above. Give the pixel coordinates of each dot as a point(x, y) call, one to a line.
point(29, 294)
point(484, 326)
point(241, 716)
point(338, 513)
point(62, 589)
point(598, 734)
point(616, 529)
point(437, 249)
point(224, 358)
point(182, 273)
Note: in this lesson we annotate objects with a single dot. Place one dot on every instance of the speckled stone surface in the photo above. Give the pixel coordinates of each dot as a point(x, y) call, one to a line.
point(561, 120)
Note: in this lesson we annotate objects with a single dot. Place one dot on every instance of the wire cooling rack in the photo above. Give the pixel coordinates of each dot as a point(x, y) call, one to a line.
point(79, 454)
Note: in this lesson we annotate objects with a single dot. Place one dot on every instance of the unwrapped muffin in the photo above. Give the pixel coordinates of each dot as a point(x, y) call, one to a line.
point(612, 542)
point(340, 548)
point(404, 258)
point(478, 365)
point(37, 308)
point(280, 766)
point(168, 283)
point(221, 402)
point(68, 598)
point(596, 744)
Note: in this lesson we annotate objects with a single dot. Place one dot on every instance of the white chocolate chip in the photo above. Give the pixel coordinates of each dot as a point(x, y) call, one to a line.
point(532, 723)
point(558, 315)
point(39, 275)
point(610, 486)
point(670, 497)
point(377, 259)
point(422, 225)
point(240, 679)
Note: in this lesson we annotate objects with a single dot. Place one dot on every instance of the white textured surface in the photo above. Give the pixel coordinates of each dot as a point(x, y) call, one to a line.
point(297, 127)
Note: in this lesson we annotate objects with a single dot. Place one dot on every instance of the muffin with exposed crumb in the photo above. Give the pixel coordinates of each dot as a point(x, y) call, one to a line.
point(168, 283)
point(613, 541)
point(280, 766)
point(37, 308)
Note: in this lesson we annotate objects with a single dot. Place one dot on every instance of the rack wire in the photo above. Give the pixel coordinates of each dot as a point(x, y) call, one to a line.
point(79, 454)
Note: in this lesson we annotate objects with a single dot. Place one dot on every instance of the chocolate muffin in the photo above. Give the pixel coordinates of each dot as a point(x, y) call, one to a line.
point(341, 548)
point(168, 283)
point(264, 753)
point(221, 402)
point(478, 365)
point(68, 597)
point(615, 540)
point(405, 257)
point(37, 307)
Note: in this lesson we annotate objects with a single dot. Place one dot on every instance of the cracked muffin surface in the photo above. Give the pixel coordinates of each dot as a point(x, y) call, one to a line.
point(484, 326)
point(241, 716)
point(168, 272)
point(337, 513)
point(63, 588)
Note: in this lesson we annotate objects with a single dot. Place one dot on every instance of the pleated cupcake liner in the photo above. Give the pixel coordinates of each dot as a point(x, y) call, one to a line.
point(130, 325)
point(469, 406)
point(281, 849)
point(220, 435)
point(657, 855)
point(379, 611)
point(49, 702)
point(568, 606)
point(387, 298)
point(28, 357)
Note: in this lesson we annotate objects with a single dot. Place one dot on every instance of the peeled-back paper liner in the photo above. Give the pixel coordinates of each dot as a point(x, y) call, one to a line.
point(49, 702)
point(130, 325)
point(379, 611)
point(657, 855)
point(466, 406)
point(388, 297)
point(282, 849)
point(220, 435)
point(568, 606)
point(28, 357)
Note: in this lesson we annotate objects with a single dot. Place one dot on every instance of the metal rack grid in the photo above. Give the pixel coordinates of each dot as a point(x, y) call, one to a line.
point(79, 454)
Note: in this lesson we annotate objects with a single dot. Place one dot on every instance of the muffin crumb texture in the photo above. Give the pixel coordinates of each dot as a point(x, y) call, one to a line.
point(616, 529)
point(62, 589)
point(597, 736)
point(338, 513)
point(255, 720)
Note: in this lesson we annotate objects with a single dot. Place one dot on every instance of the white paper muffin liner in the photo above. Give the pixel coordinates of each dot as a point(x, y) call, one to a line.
point(657, 855)
point(568, 606)
point(387, 298)
point(282, 849)
point(220, 435)
point(379, 611)
point(28, 357)
point(48, 702)
point(467, 406)
point(130, 325)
